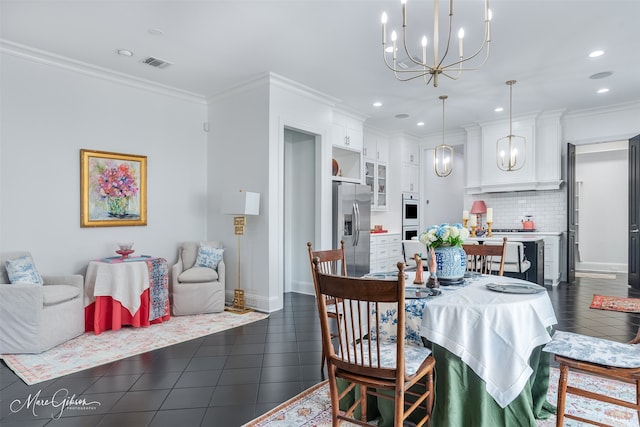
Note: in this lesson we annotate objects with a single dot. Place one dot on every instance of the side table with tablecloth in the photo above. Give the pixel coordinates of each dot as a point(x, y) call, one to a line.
point(126, 292)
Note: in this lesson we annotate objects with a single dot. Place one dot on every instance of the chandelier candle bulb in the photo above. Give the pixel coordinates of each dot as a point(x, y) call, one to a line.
point(384, 28)
point(460, 38)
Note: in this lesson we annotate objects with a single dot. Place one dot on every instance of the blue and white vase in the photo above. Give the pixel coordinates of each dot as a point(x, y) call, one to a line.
point(451, 262)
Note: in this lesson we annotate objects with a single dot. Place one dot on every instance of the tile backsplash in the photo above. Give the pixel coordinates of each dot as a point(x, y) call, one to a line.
point(548, 208)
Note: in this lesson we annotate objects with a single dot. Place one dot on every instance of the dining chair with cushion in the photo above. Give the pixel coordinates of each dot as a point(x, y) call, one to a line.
point(198, 279)
point(409, 249)
point(486, 258)
point(330, 261)
point(369, 358)
point(515, 263)
point(595, 356)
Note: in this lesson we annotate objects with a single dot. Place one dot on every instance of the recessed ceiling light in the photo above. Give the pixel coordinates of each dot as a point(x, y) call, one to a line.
point(124, 52)
point(596, 53)
point(402, 116)
point(603, 90)
point(377, 104)
point(156, 31)
point(499, 109)
point(601, 75)
point(420, 123)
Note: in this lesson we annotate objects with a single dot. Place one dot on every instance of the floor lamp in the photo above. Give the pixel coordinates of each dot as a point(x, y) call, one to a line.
point(240, 204)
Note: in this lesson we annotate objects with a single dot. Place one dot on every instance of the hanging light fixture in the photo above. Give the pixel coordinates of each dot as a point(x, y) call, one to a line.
point(510, 150)
point(443, 153)
point(410, 68)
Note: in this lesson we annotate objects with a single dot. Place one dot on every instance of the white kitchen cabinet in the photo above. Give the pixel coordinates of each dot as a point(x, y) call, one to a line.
point(551, 259)
point(410, 153)
point(410, 178)
point(409, 166)
point(376, 148)
point(375, 176)
point(347, 142)
point(385, 252)
point(347, 132)
point(376, 156)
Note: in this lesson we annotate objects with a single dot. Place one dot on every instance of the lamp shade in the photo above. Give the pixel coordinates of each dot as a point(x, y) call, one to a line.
point(241, 203)
point(478, 207)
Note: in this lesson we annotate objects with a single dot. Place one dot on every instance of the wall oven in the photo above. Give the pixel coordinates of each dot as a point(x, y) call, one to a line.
point(410, 216)
point(410, 210)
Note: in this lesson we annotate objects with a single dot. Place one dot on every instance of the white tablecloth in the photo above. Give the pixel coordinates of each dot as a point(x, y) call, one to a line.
point(124, 282)
point(493, 333)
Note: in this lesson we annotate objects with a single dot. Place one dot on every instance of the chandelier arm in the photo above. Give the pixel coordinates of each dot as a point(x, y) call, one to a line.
point(397, 70)
point(485, 44)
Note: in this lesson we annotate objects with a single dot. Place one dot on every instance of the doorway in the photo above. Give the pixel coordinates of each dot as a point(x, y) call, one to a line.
point(299, 208)
point(599, 198)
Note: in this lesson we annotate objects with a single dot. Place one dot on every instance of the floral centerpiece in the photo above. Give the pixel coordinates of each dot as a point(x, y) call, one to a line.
point(446, 241)
point(116, 184)
point(444, 235)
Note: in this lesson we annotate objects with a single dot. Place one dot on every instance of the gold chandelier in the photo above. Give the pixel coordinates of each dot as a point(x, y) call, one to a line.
point(443, 153)
point(412, 68)
point(510, 150)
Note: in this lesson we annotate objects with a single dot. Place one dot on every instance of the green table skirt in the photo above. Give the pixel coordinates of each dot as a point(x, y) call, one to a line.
point(461, 398)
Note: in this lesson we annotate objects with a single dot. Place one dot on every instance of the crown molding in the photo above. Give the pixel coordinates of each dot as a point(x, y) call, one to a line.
point(52, 59)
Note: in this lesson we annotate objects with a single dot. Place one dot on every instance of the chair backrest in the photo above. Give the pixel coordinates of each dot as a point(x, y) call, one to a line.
point(486, 258)
point(410, 248)
point(514, 257)
point(188, 252)
point(362, 303)
point(332, 261)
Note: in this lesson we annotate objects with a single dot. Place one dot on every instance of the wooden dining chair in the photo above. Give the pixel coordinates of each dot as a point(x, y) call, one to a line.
point(595, 356)
point(331, 261)
point(368, 353)
point(486, 258)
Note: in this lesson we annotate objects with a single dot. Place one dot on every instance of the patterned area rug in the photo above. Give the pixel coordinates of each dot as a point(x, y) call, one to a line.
point(90, 350)
point(313, 407)
point(627, 305)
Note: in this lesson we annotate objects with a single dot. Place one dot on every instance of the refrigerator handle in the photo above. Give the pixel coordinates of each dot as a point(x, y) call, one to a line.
point(357, 231)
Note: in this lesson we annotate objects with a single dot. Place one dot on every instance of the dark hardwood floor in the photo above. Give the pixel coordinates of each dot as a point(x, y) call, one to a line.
point(229, 378)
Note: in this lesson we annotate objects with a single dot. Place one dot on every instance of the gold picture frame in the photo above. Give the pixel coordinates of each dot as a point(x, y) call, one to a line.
point(113, 189)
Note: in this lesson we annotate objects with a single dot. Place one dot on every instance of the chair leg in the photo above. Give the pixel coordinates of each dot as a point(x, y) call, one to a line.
point(562, 394)
point(638, 395)
point(322, 365)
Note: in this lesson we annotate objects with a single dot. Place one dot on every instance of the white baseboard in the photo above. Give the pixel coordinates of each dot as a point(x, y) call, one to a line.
point(602, 267)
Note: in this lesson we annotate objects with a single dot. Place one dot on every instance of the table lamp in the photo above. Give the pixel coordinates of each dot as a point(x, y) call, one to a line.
point(240, 204)
point(478, 208)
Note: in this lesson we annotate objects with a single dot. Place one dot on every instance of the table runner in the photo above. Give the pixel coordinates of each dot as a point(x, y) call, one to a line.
point(158, 288)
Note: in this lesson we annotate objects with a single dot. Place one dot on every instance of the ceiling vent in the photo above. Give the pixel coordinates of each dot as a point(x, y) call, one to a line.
point(156, 62)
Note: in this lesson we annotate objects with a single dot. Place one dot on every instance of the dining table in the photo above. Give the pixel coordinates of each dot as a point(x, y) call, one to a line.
point(126, 291)
point(486, 333)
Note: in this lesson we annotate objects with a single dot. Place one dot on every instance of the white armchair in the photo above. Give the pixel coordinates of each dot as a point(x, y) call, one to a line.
point(34, 317)
point(196, 289)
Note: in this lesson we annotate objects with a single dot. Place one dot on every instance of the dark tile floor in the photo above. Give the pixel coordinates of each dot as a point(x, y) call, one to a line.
point(229, 378)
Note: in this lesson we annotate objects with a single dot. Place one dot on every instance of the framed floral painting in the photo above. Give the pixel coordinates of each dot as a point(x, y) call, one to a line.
point(113, 189)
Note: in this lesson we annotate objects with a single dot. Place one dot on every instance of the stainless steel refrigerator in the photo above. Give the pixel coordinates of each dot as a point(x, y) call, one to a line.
point(352, 223)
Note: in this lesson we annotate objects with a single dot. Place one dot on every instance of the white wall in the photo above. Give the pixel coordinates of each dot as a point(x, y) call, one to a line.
point(50, 110)
point(247, 140)
point(442, 195)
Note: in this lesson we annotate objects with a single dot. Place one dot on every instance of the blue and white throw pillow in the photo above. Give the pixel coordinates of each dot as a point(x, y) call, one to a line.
point(208, 257)
point(22, 270)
